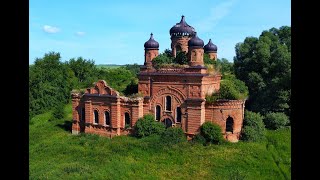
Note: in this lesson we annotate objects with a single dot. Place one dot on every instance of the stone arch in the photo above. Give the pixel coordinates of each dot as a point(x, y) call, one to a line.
point(170, 91)
point(158, 111)
point(165, 118)
point(95, 116)
point(168, 103)
point(127, 118)
point(229, 124)
point(107, 117)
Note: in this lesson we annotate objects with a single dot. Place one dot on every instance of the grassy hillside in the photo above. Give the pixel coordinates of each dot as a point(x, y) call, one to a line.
point(57, 154)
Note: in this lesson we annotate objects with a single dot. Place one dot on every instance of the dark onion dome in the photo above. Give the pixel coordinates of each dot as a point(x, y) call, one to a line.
point(151, 43)
point(210, 47)
point(182, 29)
point(195, 41)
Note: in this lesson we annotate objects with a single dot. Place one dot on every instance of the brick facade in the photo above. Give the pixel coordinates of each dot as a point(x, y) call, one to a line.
point(179, 94)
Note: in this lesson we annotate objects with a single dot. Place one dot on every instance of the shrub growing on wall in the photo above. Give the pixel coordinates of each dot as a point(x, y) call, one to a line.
point(275, 120)
point(211, 132)
point(253, 127)
point(147, 125)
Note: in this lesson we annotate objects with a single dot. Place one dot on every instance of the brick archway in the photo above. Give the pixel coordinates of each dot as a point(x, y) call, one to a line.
point(175, 93)
point(165, 120)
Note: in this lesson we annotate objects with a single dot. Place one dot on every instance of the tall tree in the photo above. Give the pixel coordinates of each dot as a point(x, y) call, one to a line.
point(264, 64)
point(50, 83)
point(84, 70)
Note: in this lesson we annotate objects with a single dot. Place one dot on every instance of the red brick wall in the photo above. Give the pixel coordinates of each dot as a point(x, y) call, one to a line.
point(213, 55)
point(195, 56)
point(149, 55)
point(179, 41)
point(219, 112)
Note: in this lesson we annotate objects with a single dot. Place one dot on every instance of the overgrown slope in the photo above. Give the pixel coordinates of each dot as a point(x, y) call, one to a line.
point(57, 154)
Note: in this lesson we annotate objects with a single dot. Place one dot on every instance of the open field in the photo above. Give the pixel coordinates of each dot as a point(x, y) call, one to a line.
point(57, 154)
point(108, 66)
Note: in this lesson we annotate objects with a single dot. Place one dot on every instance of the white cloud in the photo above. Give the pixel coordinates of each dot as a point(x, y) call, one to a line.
point(216, 14)
point(50, 29)
point(80, 33)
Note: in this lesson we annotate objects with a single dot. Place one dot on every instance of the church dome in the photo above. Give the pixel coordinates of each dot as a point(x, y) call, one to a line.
point(210, 47)
point(195, 41)
point(151, 43)
point(182, 29)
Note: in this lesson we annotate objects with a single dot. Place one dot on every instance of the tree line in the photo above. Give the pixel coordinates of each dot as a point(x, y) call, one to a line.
point(51, 80)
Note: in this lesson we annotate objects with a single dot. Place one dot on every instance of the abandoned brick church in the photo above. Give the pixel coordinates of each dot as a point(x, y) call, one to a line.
point(176, 96)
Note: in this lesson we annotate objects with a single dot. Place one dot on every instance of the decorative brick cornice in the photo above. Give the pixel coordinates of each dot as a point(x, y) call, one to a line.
point(226, 103)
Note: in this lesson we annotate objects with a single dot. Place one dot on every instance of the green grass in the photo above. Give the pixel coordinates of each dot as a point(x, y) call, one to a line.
point(57, 154)
point(108, 66)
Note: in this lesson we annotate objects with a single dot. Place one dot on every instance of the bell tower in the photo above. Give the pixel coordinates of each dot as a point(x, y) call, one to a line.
point(180, 34)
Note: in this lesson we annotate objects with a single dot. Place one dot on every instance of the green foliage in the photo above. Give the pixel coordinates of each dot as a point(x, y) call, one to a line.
point(198, 138)
point(58, 112)
point(275, 120)
point(131, 88)
point(230, 89)
point(119, 79)
point(253, 127)
point(264, 64)
point(147, 126)
point(162, 58)
point(181, 58)
point(167, 58)
point(173, 135)
point(55, 154)
point(224, 66)
point(84, 70)
point(207, 60)
point(50, 83)
point(237, 174)
point(133, 68)
point(168, 52)
point(211, 132)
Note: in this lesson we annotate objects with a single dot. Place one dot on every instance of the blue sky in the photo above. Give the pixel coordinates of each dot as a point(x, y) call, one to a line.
point(114, 32)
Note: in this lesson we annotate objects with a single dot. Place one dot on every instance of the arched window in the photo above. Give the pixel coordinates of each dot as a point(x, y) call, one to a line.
point(107, 118)
point(229, 124)
point(168, 103)
point(167, 122)
point(158, 112)
point(96, 116)
point(83, 115)
point(178, 114)
point(127, 119)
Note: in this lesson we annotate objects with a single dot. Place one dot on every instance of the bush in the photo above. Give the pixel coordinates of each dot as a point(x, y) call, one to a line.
point(253, 127)
point(58, 112)
point(198, 138)
point(230, 89)
point(161, 59)
point(211, 132)
point(173, 135)
point(181, 58)
point(276, 120)
point(147, 125)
